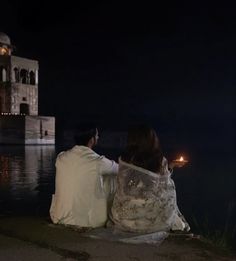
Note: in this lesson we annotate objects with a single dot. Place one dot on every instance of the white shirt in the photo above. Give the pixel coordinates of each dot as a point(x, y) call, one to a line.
point(78, 198)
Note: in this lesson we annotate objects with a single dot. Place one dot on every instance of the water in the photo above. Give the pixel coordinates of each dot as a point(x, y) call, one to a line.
point(206, 187)
point(26, 179)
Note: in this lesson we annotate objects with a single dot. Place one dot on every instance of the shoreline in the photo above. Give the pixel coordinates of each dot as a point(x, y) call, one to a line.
point(39, 235)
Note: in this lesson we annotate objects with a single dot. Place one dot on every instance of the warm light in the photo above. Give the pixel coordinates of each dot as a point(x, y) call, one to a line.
point(181, 160)
point(3, 51)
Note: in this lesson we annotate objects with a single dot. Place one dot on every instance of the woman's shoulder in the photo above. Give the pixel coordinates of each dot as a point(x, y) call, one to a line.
point(164, 161)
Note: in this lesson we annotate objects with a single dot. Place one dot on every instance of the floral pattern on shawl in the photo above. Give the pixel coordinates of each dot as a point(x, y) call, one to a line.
point(145, 201)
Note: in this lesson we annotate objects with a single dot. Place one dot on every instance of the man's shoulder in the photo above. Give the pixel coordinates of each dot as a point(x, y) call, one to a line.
point(94, 155)
point(63, 154)
point(105, 162)
point(68, 152)
point(81, 152)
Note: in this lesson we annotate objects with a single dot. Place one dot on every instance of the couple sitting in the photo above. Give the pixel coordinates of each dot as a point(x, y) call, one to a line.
point(145, 196)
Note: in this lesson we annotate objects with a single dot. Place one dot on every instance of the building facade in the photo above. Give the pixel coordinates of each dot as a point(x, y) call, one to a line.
point(19, 119)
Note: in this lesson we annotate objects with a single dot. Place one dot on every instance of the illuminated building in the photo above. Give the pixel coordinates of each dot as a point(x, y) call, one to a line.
point(19, 119)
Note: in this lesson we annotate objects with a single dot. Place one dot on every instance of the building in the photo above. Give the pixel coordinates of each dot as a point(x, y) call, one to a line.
point(19, 119)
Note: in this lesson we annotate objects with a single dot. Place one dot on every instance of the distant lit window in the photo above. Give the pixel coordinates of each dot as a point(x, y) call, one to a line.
point(3, 51)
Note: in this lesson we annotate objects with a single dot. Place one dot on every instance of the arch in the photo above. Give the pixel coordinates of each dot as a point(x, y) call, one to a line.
point(24, 76)
point(36, 77)
point(32, 78)
point(24, 108)
point(3, 74)
point(16, 74)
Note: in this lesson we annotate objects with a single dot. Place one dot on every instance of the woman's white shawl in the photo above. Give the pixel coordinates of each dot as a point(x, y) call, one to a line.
point(146, 201)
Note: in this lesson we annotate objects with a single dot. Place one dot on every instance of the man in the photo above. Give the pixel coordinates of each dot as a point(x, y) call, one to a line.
point(79, 199)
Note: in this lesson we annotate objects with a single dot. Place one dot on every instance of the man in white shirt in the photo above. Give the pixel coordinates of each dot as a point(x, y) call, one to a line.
point(79, 198)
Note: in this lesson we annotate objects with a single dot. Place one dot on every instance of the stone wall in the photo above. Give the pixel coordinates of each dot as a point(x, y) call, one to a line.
point(16, 129)
point(39, 130)
point(12, 129)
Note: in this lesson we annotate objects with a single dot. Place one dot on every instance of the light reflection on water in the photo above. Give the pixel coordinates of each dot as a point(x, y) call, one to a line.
point(26, 178)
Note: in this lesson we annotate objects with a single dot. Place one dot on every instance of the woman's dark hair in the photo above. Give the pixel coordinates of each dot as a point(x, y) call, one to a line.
point(143, 148)
point(84, 133)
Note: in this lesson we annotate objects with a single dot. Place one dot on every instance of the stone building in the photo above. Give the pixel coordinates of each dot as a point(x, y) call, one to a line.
point(19, 119)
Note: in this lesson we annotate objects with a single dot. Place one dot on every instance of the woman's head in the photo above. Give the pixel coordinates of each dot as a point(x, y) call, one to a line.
point(143, 148)
point(143, 137)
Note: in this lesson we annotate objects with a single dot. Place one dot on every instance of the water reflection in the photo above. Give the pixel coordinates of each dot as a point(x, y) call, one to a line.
point(26, 178)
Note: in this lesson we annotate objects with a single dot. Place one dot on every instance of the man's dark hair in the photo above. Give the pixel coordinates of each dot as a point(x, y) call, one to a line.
point(84, 133)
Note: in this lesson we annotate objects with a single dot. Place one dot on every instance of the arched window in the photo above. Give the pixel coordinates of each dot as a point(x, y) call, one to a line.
point(36, 76)
point(24, 76)
point(3, 74)
point(32, 78)
point(16, 75)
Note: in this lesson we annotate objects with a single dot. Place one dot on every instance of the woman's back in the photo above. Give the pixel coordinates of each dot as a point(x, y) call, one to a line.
point(145, 201)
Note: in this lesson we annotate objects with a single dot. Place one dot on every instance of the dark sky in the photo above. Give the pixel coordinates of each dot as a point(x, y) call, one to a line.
point(172, 65)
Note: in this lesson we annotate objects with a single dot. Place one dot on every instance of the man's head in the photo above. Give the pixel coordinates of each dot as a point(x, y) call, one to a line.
point(86, 135)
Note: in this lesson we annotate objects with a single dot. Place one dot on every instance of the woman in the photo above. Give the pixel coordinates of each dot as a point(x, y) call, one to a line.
point(145, 200)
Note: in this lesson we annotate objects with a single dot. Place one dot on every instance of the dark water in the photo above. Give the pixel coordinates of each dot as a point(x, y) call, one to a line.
point(206, 187)
point(26, 179)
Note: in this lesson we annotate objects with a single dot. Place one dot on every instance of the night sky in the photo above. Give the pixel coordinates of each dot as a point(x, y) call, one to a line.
point(172, 65)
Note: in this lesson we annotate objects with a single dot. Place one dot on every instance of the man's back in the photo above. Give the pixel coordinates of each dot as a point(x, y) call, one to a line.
point(78, 199)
